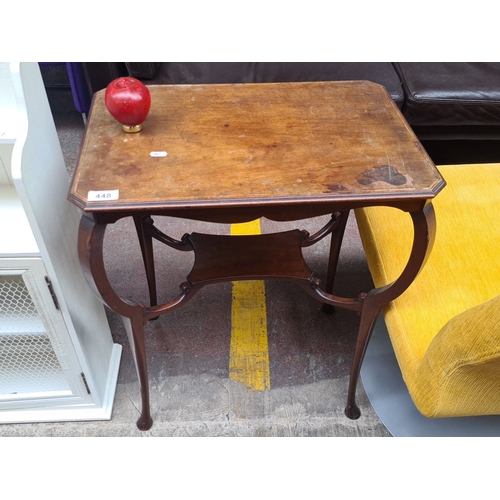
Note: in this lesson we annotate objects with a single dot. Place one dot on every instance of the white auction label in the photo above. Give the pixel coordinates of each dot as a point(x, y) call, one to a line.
point(158, 154)
point(109, 195)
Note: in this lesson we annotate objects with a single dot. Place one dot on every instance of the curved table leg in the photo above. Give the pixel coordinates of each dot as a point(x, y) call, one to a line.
point(90, 248)
point(90, 251)
point(424, 225)
point(135, 332)
point(146, 243)
point(333, 259)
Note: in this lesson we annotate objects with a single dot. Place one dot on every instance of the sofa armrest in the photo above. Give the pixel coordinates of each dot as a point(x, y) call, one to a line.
point(464, 354)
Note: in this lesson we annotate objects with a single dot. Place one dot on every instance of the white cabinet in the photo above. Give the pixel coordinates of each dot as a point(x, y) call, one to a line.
point(57, 357)
point(37, 358)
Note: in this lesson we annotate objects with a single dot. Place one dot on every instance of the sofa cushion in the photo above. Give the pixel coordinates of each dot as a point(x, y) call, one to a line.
point(462, 272)
point(266, 72)
point(451, 93)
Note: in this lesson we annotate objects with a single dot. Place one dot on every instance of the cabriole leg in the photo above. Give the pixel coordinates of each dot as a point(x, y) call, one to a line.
point(146, 244)
point(369, 315)
point(335, 245)
point(135, 332)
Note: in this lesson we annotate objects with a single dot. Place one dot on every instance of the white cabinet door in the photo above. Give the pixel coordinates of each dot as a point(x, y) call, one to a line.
point(38, 363)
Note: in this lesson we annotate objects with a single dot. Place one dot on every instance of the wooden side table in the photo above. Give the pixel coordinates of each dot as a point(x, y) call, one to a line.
point(234, 153)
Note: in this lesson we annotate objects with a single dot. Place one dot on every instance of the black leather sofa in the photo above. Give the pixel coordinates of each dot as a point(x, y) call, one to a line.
point(453, 107)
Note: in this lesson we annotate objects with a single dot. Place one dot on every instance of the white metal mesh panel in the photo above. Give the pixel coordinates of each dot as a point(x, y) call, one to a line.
point(28, 363)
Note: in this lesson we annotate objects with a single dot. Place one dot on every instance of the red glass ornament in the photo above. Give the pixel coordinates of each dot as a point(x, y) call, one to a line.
point(128, 100)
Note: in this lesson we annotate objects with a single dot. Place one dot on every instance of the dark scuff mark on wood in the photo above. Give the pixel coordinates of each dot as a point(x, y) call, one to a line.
point(385, 173)
point(335, 188)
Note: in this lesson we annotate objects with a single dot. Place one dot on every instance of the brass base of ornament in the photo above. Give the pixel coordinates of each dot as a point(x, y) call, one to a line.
point(132, 129)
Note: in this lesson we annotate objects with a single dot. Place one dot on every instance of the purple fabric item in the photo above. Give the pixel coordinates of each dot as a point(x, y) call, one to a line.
point(79, 86)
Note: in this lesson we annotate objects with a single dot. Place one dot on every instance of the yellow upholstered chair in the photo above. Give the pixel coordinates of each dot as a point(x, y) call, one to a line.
point(445, 329)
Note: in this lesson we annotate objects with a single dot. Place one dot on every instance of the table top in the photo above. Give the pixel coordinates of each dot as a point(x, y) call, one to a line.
point(241, 145)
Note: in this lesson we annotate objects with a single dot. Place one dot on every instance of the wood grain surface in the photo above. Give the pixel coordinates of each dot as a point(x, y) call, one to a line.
point(247, 144)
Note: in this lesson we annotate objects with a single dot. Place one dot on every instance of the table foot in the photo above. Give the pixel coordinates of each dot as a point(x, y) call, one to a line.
point(352, 412)
point(144, 423)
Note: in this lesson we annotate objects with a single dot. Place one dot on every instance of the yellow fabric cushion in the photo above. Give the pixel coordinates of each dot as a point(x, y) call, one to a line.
point(462, 272)
point(462, 365)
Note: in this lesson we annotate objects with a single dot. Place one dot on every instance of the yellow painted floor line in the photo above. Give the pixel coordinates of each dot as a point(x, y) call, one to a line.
point(249, 356)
